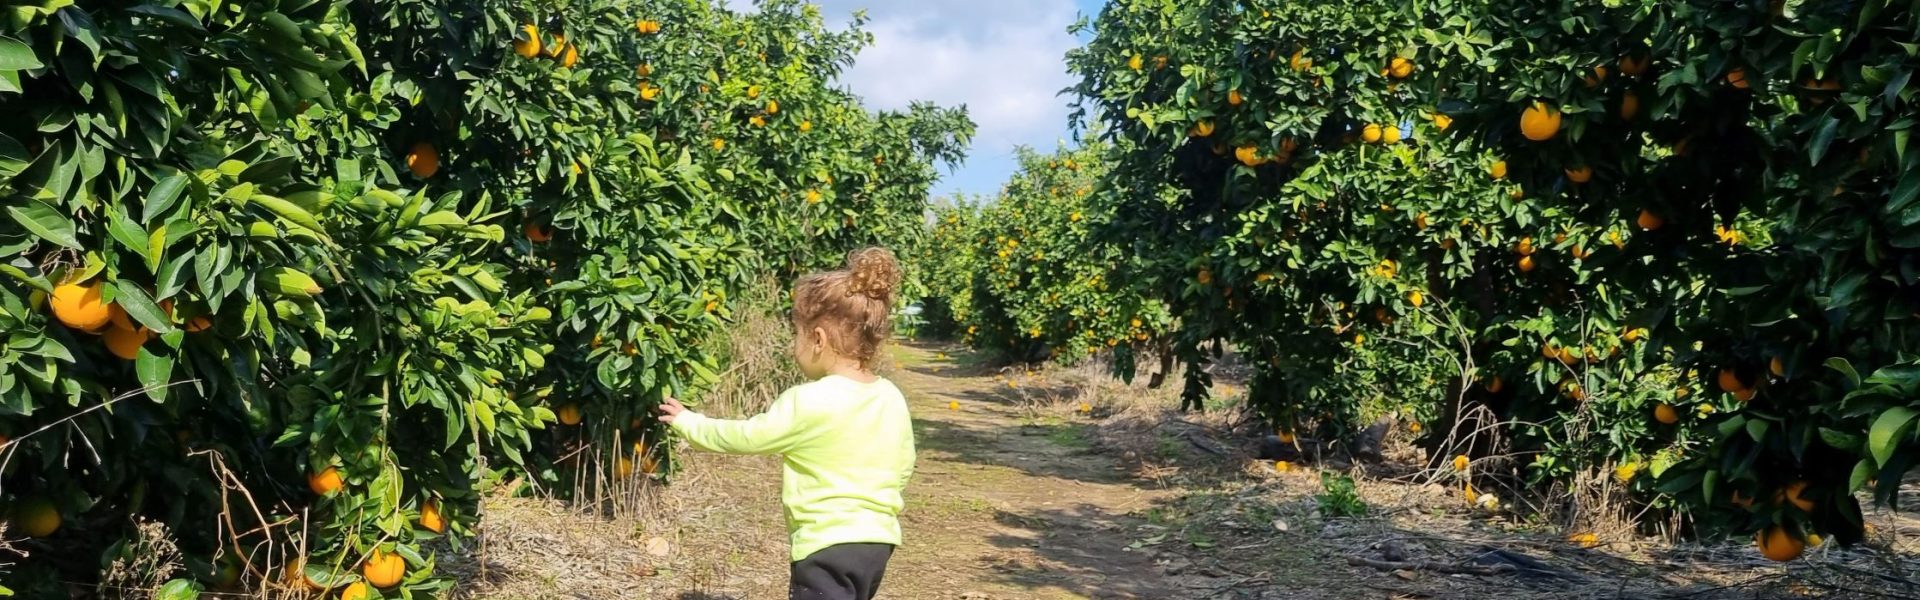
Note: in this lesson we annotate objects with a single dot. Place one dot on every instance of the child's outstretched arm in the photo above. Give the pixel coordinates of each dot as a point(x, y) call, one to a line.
point(782, 428)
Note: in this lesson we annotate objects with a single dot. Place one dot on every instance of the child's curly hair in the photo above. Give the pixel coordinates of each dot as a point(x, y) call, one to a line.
point(854, 305)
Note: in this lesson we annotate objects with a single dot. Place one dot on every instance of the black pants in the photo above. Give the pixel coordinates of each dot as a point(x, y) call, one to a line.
point(842, 572)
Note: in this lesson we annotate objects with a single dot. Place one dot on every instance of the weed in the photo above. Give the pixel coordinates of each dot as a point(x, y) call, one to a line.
point(1338, 497)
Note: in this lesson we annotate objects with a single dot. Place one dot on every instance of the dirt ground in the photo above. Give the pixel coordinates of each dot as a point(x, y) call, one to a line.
point(1066, 485)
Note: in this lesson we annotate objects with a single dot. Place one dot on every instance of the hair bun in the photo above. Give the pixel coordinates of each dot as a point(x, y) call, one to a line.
point(874, 272)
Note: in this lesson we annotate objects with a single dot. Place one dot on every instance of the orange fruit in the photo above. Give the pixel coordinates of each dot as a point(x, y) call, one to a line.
point(1249, 156)
point(125, 343)
point(1649, 221)
point(569, 414)
point(1359, 339)
point(34, 517)
point(1233, 97)
point(1777, 367)
point(623, 467)
point(1416, 299)
point(1629, 106)
point(326, 482)
point(1744, 395)
point(423, 160)
point(1203, 128)
point(1299, 61)
point(1525, 247)
point(1540, 122)
point(1282, 466)
point(1633, 65)
point(571, 57)
point(1496, 384)
point(1442, 122)
point(1526, 264)
point(1498, 170)
point(1792, 494)
point(79, 306)
point(1665, 414)
point(1461, 462)
point(117, 317)
point(1730, 381)
point(1737, 77)
point(953, 405)
point(529, 44)
point(198, 324)
point(1400, 68)
point(430, 518)
point(384, 569)
point(1598, 77)
point(357, 591)
point(537, 233)
point(1580, 174)
point(1372, 133)
point(1778, 545)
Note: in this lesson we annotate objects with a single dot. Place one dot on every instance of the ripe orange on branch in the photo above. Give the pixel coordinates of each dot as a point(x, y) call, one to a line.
point(528, 44)
point(326, 482)
point(125, 342)
point(384, 569)
point(79, 306)
point(1540, 121)
point(423, 160)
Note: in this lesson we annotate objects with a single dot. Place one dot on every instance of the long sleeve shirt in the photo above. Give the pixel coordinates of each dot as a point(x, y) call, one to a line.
point(848, 452)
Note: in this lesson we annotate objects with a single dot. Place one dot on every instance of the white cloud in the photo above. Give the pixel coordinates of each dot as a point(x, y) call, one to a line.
point(1003, 59)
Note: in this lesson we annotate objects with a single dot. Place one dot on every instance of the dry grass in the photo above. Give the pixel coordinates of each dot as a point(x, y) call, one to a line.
point(150, 560)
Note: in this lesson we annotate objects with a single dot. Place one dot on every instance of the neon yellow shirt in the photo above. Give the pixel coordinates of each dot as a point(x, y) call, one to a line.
point(848, 449)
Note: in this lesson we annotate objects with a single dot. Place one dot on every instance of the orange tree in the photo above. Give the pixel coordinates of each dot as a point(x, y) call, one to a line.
point(1543, 200)
point(313, 274)
point(1024, 275)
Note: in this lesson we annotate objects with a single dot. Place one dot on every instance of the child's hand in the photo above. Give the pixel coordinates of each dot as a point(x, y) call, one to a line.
point(671, 410)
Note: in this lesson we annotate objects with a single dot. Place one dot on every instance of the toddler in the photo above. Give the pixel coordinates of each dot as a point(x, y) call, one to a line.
point(846, 438)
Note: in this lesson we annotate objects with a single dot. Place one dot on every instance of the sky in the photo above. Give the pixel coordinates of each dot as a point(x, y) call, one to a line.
point(1003, 59)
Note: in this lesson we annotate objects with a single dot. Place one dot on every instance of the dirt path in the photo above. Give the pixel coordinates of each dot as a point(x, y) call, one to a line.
point(1007, 503)
point(1015, 500)
point(1010, 504)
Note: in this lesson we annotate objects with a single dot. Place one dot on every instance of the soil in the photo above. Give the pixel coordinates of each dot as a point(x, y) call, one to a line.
point(1068, 486)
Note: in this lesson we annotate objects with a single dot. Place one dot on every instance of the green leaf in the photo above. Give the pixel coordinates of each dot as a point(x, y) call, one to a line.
point(162, 197)
point(128, 233)
point(1862, 473)
point(1845, 368)
point(1887, 430)
point(1840, 440)
point(15, 55)
point(178, 589)
point(46, 222)
point(80, 26)
point(155, 372)
point(1757, 429)
point(1822, 140)
point(13, 157)
point(140, 306)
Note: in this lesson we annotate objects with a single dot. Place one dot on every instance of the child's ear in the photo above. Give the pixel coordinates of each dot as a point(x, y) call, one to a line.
point(819, 339)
